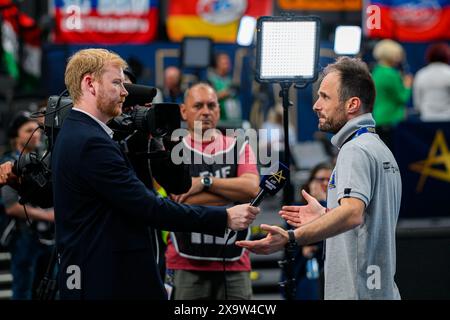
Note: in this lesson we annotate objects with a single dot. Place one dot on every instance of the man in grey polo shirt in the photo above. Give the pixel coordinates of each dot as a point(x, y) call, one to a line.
point(363, 199)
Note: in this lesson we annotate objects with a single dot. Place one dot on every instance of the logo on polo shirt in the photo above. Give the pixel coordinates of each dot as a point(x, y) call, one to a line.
point(332, 183)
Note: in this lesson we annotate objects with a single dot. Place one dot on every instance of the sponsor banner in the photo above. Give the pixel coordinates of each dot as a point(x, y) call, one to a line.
point(216, 19)
point(423, 155)
point(105, 21)
point(408, 20)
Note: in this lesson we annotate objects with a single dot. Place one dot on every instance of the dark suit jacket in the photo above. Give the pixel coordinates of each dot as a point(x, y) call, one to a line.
point(102, 213)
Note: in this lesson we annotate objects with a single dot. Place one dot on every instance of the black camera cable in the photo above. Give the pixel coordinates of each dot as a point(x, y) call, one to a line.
point(225, 286)
point(19, 173)
point(48, 285)
point(39, 114)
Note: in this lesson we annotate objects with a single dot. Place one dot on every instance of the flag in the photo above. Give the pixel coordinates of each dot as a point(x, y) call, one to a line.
point(105, 22)
point(216, 19)
point(408, 20)
point(21, 44)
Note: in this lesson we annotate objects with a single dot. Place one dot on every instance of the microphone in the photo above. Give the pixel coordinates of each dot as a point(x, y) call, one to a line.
point(138, 94)
point(271, 184)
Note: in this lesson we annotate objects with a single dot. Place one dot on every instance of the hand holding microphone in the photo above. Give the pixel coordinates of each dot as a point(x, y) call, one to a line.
point(240, 217)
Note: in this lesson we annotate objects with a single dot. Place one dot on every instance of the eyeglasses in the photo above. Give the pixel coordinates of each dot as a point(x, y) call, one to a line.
point(322, 180)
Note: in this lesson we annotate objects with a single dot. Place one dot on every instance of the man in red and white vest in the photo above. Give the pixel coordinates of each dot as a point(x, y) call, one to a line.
point(224, 172)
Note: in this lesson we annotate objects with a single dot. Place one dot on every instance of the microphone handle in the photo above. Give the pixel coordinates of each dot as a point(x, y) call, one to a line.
point(256, 202)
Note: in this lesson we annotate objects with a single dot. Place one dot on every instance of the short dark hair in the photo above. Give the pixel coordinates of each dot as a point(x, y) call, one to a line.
point(438, 52)
point(130, 74)
point(17, 122)
point(356, 81)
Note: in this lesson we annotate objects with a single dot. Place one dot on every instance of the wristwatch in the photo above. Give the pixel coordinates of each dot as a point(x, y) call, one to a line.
point(206, 181)
point(292, 241)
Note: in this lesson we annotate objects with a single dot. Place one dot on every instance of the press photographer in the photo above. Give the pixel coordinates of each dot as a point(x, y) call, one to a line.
point(26, 230)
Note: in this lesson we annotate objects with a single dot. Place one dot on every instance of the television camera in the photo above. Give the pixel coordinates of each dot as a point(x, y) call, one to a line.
point(143, 130)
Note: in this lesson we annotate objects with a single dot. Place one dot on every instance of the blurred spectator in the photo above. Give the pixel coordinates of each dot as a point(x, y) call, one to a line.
point(393, 89)
point(40, 118)
point(432, 85)
point(29, 250)
point(130, 77)
point(272, 140)
point(172, 91)
point(227, 91)
point(263, 100)
point(309, 283)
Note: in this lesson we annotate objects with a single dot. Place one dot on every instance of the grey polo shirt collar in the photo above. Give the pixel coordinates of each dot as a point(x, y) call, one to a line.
point(103, 125)
point(364, 120)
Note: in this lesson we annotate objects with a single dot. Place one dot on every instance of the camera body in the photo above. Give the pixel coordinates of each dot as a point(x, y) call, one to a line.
point(139, 114)
point(158, 120)
point(35, 180)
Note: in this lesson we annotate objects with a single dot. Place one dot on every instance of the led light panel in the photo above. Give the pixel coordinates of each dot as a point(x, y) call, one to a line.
point(287, 50)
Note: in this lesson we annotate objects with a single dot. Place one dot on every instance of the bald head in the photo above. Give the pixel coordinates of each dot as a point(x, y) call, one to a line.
point(172, 77)
point(201, 104)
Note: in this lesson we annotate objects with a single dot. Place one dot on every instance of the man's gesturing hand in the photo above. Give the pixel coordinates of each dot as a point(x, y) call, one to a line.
point(241, 216)
point(275, 240)
point(300, 215)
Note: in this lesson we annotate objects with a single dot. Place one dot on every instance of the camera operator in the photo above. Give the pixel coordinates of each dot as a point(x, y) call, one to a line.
point(28, 254)
point(102, 208)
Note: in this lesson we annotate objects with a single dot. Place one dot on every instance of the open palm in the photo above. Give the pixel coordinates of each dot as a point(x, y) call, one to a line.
point(275, 240)
point(300, 215)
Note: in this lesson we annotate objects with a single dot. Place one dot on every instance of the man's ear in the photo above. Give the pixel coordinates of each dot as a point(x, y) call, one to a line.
point(88, 84)
point(183, 111)
point(354, 105)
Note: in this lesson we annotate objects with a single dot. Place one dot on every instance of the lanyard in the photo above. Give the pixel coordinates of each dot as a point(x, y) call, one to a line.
point(363, 130)
point(360, 131)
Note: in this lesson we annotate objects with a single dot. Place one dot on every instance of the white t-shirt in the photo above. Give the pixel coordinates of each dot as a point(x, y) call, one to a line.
point(431, 92)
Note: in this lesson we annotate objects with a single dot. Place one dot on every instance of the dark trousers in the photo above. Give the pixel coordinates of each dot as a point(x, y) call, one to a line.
point(28, 263)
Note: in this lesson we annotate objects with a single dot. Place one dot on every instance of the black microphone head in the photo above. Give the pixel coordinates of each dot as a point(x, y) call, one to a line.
point(138, 94)
point(275, 181)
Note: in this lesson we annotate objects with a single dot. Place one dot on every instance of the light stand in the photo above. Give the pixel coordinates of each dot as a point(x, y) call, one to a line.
point(284, 95)
point(287, 53)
